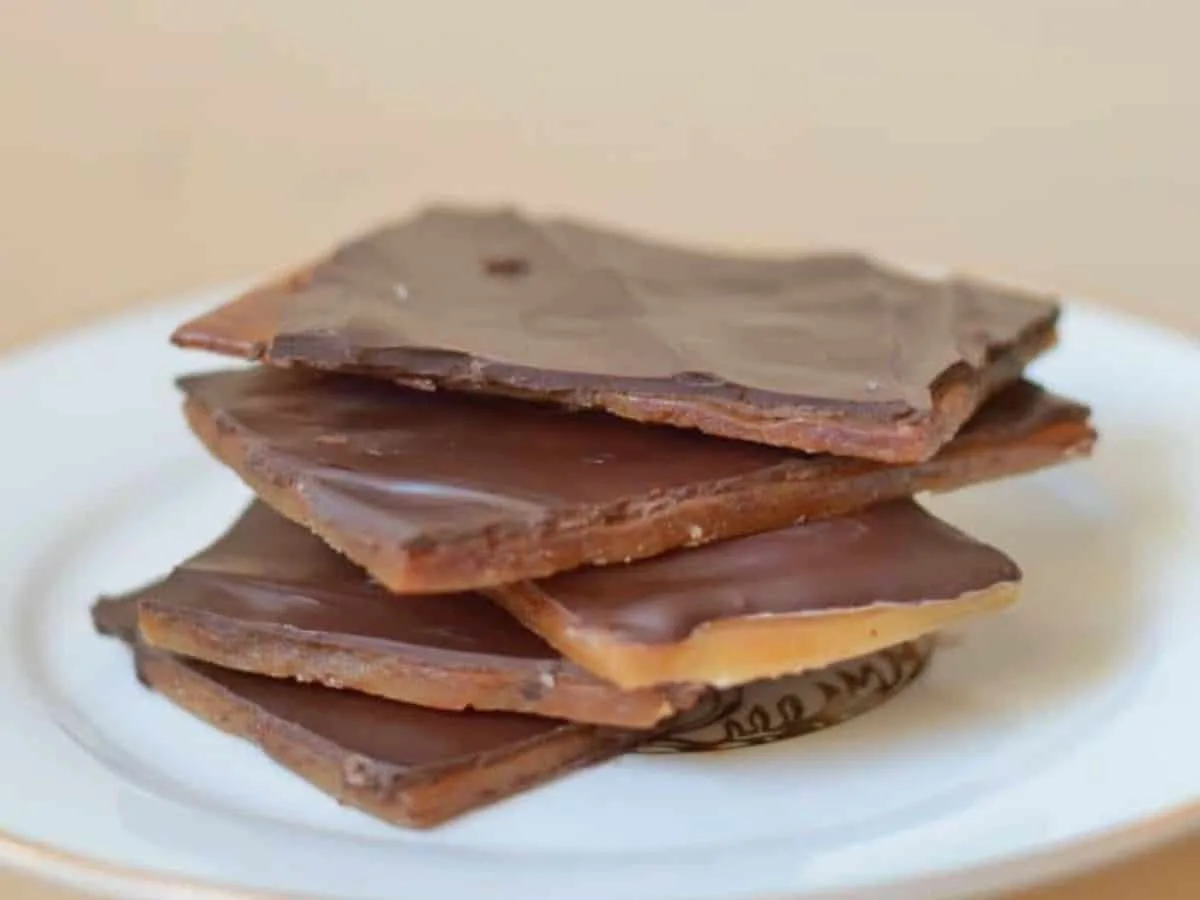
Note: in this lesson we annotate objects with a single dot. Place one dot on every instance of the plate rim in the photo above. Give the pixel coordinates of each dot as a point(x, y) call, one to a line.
point(1052, 862)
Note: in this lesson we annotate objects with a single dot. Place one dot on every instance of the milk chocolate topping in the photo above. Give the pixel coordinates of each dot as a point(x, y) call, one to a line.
point(894, 553)
point(401, 762)
point(271, 598)
point(269, 571)
point(436, 466)
point(761, 348)
point(449, 491)
point(401, 735)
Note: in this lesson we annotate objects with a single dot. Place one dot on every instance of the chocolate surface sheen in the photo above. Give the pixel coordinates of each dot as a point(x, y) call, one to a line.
point(826, 353)
point(892, 554)
point(403, 763)
point(269, 571)
point(401, 735)
point(440, 492)
point(271, 598)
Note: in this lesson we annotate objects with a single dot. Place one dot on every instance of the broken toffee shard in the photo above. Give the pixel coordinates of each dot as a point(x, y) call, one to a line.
point(781, 602)
point(405, 764)
point(270, 598)
point(439, 493)
point(835, 353)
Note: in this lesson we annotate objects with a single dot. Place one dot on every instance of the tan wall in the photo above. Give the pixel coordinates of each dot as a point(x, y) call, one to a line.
point(147, 147)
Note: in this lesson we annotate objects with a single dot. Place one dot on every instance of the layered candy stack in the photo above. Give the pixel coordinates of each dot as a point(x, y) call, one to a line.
point(529, 491)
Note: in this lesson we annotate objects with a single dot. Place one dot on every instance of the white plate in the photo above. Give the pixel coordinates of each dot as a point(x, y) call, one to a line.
point(1050, 737)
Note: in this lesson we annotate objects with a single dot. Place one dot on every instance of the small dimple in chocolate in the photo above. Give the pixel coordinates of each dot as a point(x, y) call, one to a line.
point(506, 266)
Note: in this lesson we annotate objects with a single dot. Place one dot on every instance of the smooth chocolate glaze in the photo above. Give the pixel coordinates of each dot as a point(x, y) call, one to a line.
point(410, 740)
point(558, 310)
point(575, 300)
point(894, 553)
point(399, 734)
point(271, 598)
point(406, 468)
point(268, 571)
point(414, 464)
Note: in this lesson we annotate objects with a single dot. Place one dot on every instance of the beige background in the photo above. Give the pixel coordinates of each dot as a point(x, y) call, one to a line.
point(149, 147)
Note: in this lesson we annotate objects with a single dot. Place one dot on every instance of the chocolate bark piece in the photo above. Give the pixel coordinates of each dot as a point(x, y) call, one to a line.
point(405, 764)
point(833, 353)
point(445, 492)
point(271, 598)
point(770, 604)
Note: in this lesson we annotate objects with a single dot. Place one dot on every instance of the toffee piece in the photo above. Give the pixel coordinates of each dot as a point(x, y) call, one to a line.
point(771, 604)
point(833, 353)
point(445, 492)
point(405, 764)
point(271, 598)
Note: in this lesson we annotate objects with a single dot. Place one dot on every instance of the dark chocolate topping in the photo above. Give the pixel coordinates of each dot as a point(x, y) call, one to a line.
point(268, 571)
point(894, 553)
point(551, 305)
point(408, 468)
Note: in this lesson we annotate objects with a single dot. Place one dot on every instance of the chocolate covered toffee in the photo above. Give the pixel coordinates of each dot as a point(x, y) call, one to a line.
point(441, 492)
point(832, 353)
point(419, 767)
point(406, 764)
point(270, 598)
point(533, 493)
point(773, 603)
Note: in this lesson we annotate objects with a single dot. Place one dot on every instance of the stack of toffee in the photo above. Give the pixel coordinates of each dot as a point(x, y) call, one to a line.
point(531, 490)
